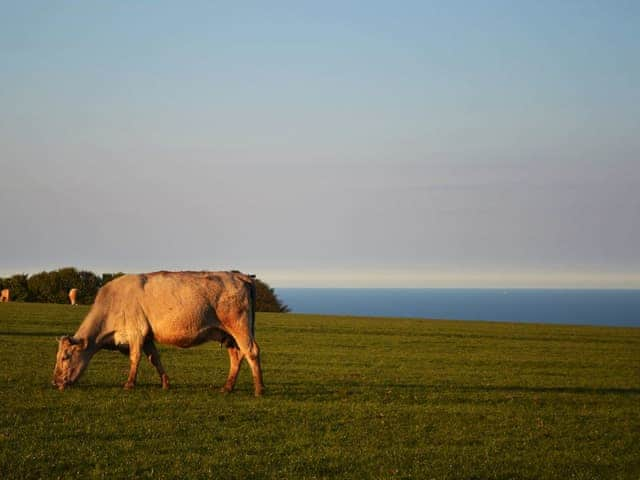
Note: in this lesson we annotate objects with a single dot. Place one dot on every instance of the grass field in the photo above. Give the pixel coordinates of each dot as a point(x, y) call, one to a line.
point(346, 398)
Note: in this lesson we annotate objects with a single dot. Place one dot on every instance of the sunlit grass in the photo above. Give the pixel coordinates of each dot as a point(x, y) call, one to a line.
point(346, 398)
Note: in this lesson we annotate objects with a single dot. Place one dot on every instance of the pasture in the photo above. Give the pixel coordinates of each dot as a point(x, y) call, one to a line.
point(346, 398)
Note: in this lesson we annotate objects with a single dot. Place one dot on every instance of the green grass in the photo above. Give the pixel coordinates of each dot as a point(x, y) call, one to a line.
point(346, 398)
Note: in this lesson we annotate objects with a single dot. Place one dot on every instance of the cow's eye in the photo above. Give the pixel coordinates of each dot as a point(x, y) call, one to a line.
point(66, 356)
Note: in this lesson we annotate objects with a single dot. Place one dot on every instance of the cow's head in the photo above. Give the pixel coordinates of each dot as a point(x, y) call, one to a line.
point(72, 358)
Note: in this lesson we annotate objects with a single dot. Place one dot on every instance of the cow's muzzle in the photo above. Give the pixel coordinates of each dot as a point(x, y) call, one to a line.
point(59, 385)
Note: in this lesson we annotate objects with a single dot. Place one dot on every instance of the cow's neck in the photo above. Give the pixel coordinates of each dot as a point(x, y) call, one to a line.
point(92, 330)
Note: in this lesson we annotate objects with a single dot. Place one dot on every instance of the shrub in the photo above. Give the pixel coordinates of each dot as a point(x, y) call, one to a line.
point(88, 286)
point(54, 286)
point(17, 285)
point(267, 300)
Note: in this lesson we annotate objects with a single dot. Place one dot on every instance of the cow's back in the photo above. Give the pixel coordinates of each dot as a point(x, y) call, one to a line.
point(175, 307)
point(182, 305)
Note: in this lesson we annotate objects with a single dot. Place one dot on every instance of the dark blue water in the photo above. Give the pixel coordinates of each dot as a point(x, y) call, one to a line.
point(584, 307)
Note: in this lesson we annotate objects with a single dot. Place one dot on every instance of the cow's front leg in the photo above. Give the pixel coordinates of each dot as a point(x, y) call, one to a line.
point(134, 360)
point(152, 354)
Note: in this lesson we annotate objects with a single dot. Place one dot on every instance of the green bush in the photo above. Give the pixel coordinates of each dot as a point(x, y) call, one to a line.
point(88, 287)
point(43, 287)
point(54, 286)
point(267, 300)
point(17, 285)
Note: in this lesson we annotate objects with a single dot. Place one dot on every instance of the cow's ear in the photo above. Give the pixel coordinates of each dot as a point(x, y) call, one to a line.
point(65, 341)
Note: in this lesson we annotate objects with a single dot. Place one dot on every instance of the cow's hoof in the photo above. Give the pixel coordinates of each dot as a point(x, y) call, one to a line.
point(259, 392)
point(226, 390)
point(129, 385)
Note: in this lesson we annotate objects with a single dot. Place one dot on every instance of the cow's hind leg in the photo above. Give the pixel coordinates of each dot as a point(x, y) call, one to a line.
point(134, 361)
point(152, 354)
point(253, 358)
point(235, 360)
point(250, 350)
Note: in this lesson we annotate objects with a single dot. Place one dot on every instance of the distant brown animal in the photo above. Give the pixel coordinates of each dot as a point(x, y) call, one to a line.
point(175, 308)
point(4, 295)
point(73, 295)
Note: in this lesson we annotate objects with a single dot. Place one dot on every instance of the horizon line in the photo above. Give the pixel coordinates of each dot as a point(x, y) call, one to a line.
point(405, 277)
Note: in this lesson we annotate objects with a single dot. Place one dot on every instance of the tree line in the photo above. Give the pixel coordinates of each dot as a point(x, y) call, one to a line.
point(54, 286)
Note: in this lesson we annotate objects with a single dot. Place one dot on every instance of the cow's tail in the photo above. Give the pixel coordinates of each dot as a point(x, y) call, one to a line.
point(252, 304)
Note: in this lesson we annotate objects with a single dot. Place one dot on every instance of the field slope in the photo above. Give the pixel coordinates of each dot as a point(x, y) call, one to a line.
point(346, 398)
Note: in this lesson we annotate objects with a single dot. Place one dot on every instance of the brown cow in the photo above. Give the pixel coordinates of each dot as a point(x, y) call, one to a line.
point(73, 295)
point(175, 308)
point(4, 295)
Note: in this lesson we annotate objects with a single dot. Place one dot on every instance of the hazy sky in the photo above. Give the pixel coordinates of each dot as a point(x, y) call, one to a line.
point(324, 143)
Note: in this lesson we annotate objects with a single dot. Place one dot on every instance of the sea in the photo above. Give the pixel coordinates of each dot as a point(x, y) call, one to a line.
point(619, 308)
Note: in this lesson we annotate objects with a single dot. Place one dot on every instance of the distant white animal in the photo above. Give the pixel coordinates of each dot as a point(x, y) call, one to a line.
point(73, 296)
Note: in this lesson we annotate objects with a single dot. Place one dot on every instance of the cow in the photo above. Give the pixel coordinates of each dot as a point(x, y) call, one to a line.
point(183, 309)
point(73, 295)
point(4, 295)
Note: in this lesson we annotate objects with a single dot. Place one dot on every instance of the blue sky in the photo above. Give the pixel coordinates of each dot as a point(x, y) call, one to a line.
point(333, 144)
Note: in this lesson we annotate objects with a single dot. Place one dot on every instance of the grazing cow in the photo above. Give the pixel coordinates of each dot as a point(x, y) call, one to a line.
point(175, 308)
point(4, 295)
point(73, 296)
